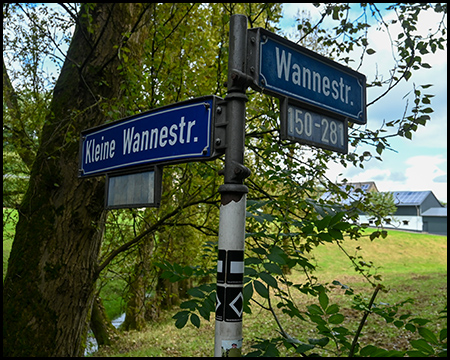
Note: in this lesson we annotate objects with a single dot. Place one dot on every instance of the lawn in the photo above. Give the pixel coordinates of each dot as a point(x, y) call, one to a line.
point(412, 265)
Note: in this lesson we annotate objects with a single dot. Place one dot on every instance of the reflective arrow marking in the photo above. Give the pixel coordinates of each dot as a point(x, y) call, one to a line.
point(218, 302)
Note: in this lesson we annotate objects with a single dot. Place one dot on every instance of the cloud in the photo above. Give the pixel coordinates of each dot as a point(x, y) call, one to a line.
point(398, 176)
point(416, 173)
point(440, 179)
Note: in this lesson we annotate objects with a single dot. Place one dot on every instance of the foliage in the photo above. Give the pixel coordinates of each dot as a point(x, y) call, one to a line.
point(186, 56)
point(286, 218)
point(382, 205)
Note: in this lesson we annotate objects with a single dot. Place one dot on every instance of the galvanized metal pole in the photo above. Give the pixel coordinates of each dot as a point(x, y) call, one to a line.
point(230, 267)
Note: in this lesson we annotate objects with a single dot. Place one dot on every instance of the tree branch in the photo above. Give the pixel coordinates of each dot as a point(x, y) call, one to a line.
point(363, 320)
point(19, 136)
point(138, 238)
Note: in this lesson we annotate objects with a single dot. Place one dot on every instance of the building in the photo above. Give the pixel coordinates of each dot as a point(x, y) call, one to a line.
point(416, 210)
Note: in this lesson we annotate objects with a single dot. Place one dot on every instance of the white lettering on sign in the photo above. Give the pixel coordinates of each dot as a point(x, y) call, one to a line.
point(98, 152)
point(311, 80)
point(138, 141)
point(151, 139)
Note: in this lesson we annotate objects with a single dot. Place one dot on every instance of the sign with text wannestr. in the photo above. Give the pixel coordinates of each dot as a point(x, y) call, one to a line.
point(177, 133)
point(282, 68)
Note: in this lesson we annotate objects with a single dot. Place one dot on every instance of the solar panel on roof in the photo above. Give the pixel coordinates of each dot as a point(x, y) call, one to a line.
point(410, 197)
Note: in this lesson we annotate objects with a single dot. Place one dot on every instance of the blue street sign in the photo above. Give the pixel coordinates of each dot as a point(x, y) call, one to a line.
point(180, 132)
point(282, 68)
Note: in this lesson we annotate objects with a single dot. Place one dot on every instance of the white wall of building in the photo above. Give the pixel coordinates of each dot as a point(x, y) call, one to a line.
point(402, 222)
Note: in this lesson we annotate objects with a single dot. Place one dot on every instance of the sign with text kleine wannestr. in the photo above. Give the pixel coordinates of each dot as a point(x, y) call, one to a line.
point(284, 69)
point(177, 133)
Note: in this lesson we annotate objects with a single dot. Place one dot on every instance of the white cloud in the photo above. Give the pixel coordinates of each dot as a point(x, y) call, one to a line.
point(417, 173)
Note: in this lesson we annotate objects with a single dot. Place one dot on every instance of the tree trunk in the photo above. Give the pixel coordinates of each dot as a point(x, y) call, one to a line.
point(100, 324)
point(138, 286)
point(50, 282)
point(135, 314)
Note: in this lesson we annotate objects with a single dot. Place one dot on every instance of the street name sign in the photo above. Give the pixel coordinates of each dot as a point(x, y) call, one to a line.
point(176, 133)
point(282, 68)
point(308, 127)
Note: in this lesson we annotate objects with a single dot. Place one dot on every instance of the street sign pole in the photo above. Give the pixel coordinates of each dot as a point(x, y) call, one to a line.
point(230, 268)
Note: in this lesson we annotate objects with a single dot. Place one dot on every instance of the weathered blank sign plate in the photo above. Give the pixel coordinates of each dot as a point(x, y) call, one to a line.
point(133, 190)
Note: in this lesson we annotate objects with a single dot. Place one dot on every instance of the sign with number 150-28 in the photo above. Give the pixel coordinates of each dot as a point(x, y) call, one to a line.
point(308, 127)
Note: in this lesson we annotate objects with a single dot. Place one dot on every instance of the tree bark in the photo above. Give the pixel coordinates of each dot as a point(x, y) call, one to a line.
point(49, 286)
point(100, 324)
point(138, 285)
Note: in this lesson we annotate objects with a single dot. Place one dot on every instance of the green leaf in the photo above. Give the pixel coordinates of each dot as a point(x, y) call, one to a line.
point(178, 268)
point(252, 261)
point(398, 323)
point(314, 309)
point(336, 218)
point(304, 347)
point(336, 319)
point(368, 350)
point(248, 271)
point(323, 299)
point(318, 320)
point(196, 293)
point(321, 342)
point(407, 75)
point(422, 345)
point(269, 279)
point(259, 250)
point(370, 51)
point(332, 309)
point(443, 334)
point(182, 318)
point(415, 353)
point(276, 258)
point(419, 321)
point(248, 291)
point(261, 289)
point(336, 234)
point(325, 236)
point(323, 223)
point(204, 312)
point(195, 320)
point(190, 304)
point(380, 148)
point(273, 268)
point(166, 274)
point(428, 335)
point(188, 270)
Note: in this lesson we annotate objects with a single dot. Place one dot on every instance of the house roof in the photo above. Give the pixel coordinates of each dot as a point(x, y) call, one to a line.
point(365, 186)
point(441, 212)
point(410, 197)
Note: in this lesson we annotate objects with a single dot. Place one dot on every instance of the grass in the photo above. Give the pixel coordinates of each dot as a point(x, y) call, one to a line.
point(412, 266)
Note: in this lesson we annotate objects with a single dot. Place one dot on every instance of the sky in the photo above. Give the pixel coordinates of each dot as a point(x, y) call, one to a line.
point(418, 164)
